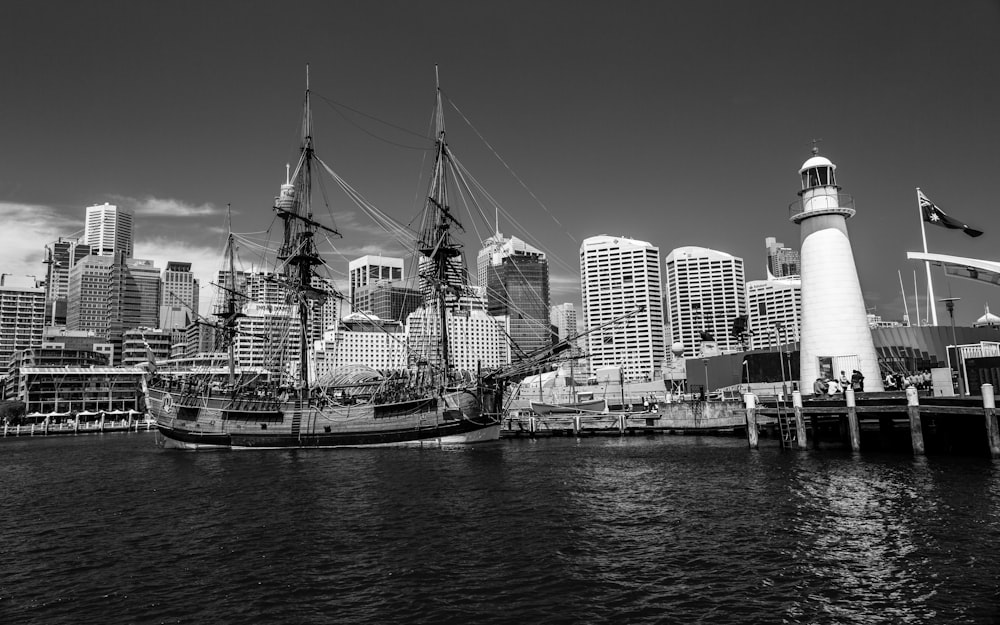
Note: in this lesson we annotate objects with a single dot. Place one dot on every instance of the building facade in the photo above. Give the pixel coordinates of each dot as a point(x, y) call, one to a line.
point(362, 339)
point(61, 256)
point(111, 294)
point(179, 296)
point(619, 275)
point(108, 230)
point(370, 269)
point(517, 289)
point(775, 312)
point(782, 262)
point(22, 316)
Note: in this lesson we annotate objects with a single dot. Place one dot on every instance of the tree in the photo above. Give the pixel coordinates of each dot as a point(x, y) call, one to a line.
point(12, 411)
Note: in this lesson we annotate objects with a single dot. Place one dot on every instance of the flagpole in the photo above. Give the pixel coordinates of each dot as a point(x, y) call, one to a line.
point(927, 265)
point(916, 296)
point(906, 308)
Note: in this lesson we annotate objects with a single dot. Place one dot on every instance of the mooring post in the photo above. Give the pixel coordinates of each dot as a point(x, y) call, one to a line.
point(102, 422)
point(800, 423)
point(750, 401)
point(989, 411)
point(576, 425)
point(852, 420)
point(916, 431)
point(621, 424)
point(531, 426)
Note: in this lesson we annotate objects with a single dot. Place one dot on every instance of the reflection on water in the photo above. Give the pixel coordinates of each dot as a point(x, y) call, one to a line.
point(641, 530)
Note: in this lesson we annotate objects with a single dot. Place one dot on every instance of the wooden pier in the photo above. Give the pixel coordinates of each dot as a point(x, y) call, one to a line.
point(947, 424)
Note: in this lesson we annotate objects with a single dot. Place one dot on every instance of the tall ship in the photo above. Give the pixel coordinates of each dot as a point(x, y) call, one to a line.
point(429, 401)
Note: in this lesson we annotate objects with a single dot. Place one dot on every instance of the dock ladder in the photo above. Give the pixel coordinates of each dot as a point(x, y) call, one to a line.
point(786, 424)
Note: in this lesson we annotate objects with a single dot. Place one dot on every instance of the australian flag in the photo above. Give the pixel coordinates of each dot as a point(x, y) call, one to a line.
point(934, 215)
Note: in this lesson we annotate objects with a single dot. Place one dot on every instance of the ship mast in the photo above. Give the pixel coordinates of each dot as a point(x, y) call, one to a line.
point(436, 241)
point(298, 251)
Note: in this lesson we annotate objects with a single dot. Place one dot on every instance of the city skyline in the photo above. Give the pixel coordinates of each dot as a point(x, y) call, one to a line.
point(682, 124)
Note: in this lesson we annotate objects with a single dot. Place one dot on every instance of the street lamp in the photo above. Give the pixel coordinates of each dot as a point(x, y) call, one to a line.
point(704, 361)
point(949, 303)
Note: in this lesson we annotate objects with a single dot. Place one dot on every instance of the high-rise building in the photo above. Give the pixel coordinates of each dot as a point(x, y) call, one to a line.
point(111, 294)
point(782, 262)
point(564, 320)
point(517, 288)
point(476, 337)
point(618, 276)
point(262, 287)
point(774, 308)
point(370, 269)
point(705, 294)
point(60, 256)
point(359, 339)
point(179, 297)
point(387, 300)
point(267, 337)
point(108, 229)
point(22, 316)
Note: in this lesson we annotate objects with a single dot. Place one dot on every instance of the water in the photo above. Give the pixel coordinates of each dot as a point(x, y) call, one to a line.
point(109, 529)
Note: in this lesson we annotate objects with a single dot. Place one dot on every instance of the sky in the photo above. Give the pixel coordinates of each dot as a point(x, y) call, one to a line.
point(673, 122)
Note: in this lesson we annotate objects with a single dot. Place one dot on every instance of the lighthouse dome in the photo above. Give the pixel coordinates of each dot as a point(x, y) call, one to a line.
point(816, 161)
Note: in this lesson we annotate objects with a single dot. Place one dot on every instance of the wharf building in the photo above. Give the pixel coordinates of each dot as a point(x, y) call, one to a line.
point(516, 277)
point(179, 296)
point(59, 349)
point(618, 275)
point(22, 316)
point(705, 293)
point(108, 230)
point(111, 294)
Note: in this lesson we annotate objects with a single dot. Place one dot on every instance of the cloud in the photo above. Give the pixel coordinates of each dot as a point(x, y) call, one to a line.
point(168, 207)
point(27, 229)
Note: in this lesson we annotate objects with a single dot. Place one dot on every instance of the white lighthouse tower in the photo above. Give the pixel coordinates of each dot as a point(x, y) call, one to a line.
point(835, 336)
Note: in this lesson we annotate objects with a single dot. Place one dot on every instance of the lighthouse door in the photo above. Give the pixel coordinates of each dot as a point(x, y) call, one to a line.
point(847, 364)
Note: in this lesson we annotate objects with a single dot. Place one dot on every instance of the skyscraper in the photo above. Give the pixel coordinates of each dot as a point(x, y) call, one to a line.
point(111, 294)
point(618, 275)
point(369, 269)
point(108, 229)
point(22, 316)
point(705, 294)
point(517, 289)
point(782, 262)
point(179, 298)
point(60, 256)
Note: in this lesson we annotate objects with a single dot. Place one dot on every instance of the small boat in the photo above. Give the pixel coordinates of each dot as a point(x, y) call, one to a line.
point(543, 409)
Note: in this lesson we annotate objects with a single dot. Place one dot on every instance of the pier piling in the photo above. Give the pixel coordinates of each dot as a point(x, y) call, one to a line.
point(750, 401)
point(852, 420)
point(916, 428)
point(800, 423)
point(989, 413)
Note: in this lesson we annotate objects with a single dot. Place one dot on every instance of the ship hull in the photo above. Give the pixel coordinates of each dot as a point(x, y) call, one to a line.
point(211, 423)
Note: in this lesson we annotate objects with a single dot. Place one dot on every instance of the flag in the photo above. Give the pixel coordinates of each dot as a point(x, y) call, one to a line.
point(934, 215)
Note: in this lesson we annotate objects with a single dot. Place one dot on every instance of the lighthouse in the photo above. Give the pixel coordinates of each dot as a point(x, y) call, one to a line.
point(835, 336)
